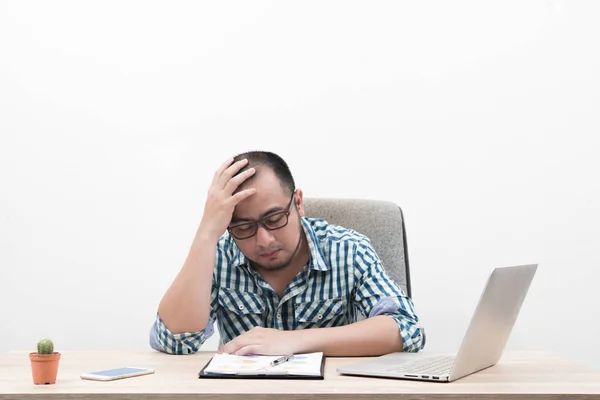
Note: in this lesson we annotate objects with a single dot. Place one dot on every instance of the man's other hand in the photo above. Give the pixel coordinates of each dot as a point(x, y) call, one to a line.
point(263, 341)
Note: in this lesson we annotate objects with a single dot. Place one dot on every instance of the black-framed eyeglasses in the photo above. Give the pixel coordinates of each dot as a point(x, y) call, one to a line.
point(271, 222)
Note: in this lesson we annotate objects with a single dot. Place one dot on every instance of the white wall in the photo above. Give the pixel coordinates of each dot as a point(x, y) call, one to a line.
point(114, 115)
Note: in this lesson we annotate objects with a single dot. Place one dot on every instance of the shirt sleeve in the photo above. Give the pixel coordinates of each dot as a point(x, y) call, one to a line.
point(163, 340)
point(377, 294)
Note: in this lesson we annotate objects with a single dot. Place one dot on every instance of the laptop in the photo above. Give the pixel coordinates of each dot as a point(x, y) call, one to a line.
point(482, 345)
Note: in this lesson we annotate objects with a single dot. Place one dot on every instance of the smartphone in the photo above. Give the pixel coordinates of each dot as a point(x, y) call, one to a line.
point(116, 373)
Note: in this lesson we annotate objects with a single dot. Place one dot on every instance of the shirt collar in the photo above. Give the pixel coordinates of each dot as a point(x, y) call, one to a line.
point(316, 260)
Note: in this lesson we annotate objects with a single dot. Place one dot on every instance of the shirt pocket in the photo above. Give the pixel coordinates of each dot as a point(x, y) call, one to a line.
point(320, 313)
point(246, 306)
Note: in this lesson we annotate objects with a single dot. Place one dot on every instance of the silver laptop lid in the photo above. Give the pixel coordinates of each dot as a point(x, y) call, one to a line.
point(493, 319)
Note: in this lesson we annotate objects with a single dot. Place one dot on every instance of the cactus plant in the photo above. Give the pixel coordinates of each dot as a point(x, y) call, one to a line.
point(45, 346)
point(44, 363)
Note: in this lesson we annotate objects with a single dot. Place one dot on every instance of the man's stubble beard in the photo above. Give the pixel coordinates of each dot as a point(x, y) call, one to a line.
point(286, 263)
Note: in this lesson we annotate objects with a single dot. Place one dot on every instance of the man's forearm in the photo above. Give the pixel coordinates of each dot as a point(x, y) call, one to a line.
point(185, 307)
point(370, 337)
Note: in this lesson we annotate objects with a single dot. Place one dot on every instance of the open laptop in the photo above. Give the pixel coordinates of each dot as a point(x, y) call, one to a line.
point(482, 345)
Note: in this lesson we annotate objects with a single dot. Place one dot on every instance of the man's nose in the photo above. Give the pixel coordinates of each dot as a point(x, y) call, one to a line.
point(263, 236)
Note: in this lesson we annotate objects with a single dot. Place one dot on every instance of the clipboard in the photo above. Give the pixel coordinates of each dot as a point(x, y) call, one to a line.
point(263, 374)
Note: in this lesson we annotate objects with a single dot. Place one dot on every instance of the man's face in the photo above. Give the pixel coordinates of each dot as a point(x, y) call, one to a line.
point(270, 249)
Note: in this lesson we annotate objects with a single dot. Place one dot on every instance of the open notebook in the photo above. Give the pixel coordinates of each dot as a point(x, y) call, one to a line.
point(300, 366)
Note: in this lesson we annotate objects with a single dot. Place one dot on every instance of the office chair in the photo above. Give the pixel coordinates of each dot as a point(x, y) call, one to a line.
point(381, 221)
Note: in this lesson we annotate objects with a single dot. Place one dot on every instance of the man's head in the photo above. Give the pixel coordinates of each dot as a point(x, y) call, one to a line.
point(277, 203)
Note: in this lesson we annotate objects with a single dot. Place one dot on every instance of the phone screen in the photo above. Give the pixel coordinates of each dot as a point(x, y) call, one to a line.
point(118, 372)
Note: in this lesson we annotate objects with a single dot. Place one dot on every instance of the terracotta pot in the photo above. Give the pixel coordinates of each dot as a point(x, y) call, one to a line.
point(44, 367)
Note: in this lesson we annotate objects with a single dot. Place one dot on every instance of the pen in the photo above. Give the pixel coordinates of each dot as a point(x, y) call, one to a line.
point(281, 360)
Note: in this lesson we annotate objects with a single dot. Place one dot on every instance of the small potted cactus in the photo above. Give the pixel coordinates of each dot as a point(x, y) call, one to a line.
point(44, 363)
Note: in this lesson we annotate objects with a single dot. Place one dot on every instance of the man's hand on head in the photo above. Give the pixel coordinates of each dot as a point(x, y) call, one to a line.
point(263, 341)
point(223, 196)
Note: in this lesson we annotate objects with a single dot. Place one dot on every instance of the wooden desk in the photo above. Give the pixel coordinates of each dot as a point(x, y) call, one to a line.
point(518, 375)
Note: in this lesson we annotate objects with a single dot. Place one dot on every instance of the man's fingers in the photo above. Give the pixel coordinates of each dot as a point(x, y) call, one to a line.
point(238, 179)
point(251, 349)
point(242, 194)
point(229, 348)
point(230, 172)
point(221, 169)
point(234, 345)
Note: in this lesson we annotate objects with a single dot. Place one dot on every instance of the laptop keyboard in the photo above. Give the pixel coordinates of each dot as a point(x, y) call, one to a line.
point(438, 365)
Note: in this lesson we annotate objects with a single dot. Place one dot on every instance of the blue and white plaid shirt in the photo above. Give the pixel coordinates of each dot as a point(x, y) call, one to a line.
point(343, 282)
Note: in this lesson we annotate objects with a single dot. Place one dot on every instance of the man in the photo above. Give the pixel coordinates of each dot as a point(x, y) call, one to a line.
point(269, 275)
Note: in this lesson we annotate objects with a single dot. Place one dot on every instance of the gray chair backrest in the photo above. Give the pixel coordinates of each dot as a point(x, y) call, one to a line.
point(381, 221)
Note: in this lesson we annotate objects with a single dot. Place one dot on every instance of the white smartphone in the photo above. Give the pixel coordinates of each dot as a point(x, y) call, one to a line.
point(116, 373)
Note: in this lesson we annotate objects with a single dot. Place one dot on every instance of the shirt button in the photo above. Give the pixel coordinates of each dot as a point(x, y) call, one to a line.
point(278, 316)
point(320, 316)
point(241, 307)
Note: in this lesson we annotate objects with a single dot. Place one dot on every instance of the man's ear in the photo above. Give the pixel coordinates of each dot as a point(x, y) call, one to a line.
point(299, 202)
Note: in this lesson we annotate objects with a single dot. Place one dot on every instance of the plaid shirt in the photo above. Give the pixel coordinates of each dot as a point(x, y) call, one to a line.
point(343, 282)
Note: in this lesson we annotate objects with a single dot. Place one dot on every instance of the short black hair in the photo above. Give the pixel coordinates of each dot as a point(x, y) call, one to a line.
point(270, 160)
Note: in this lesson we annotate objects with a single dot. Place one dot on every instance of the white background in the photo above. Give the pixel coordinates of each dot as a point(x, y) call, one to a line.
point(479, 118)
